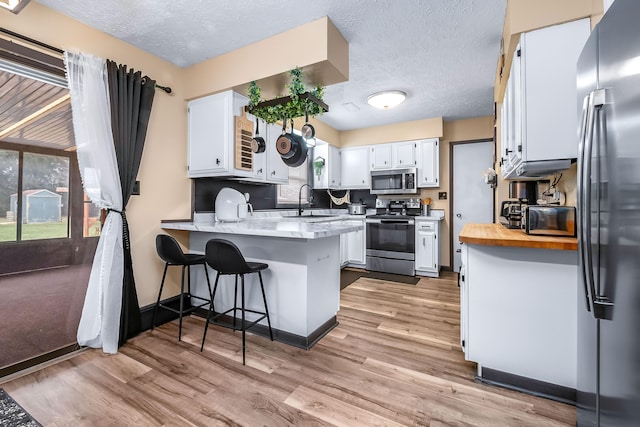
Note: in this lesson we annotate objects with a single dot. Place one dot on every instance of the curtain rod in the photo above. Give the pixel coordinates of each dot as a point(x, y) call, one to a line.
point(166, 89)
point(30, 40)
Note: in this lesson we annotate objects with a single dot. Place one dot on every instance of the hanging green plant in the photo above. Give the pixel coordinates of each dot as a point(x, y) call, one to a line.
point(300, 101)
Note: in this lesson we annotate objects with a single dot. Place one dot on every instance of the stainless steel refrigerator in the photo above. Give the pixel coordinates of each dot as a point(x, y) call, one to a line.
point(608, 79)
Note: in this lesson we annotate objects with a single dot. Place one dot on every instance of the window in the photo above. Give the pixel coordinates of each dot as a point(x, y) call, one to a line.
point(41, 193)
point(8, 186)
point(45, 197)
point(288, 193)
point(34, 195)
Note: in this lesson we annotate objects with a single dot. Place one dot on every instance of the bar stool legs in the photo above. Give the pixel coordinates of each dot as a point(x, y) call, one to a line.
point(209, 318)
point(170, 252)
point(225, 257)
point(244, 329)
point(181, 311)
point(243, 325)
point(266, 310)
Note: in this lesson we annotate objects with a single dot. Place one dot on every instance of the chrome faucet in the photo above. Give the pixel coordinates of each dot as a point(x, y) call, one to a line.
point(300, 210)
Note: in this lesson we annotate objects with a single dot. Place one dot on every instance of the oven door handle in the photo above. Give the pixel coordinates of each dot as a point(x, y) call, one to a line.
point(397, 221)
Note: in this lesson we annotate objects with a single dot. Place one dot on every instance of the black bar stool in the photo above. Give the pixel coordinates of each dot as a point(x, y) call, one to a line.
point(225, 257)
point(170, 252)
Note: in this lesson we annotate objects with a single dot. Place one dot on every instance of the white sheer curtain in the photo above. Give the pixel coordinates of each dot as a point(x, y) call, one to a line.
point(87, 76)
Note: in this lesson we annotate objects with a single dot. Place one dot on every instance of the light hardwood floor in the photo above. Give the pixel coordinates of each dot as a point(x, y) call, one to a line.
point(393, 360)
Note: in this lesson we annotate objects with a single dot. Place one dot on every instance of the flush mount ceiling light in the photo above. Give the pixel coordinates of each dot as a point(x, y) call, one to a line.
point(387, 99)
point(14, 6)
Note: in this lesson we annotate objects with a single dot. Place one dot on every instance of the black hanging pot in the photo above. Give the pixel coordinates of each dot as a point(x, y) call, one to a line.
point(291, 147)
point(307, 131)
point(258, 144)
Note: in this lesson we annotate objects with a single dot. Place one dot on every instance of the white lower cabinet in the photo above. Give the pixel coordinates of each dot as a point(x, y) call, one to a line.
point(427, 247)
point(356, 245)
point(518, 311)
point(353, 245)
point(344, 251)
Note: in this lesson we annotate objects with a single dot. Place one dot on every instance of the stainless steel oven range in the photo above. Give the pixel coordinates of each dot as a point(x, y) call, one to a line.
point(391, 244)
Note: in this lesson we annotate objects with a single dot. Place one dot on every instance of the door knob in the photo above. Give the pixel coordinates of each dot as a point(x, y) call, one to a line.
point(459, 216)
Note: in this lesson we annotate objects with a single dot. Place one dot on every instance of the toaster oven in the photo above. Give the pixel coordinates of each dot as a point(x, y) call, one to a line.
point(550, 220)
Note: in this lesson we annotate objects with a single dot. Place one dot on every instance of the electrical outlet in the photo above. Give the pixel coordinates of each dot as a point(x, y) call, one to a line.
point(136, 189)
point(442, 195)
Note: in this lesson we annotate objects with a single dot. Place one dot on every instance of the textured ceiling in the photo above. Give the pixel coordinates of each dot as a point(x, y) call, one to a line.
point(443, 53)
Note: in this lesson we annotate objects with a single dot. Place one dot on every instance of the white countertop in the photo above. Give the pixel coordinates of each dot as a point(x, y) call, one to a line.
point(270, 225)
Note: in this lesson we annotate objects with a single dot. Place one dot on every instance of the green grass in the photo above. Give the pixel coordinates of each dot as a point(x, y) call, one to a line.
point(47, 230)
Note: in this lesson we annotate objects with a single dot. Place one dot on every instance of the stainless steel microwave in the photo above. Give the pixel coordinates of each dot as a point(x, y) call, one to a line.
point(394, 181)
point(550, 220)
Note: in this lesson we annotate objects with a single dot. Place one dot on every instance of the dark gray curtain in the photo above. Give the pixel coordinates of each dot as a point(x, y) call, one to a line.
point(131, 97)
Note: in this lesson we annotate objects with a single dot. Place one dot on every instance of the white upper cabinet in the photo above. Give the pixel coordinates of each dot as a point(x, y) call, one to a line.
point(428, 162)
point(539, 111)
point(335, 168)
point(210, 134)
point(277, 171)
point(211, 146)
point(381, 156)
point(403, 154)
point(393, 155)
point(354, 167)
point(329, 175)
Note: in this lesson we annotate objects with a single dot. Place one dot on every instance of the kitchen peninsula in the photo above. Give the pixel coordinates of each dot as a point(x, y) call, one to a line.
point(302, 283)
point(518, 296)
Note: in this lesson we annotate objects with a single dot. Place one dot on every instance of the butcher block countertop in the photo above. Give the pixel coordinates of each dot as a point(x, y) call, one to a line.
point(498, 235)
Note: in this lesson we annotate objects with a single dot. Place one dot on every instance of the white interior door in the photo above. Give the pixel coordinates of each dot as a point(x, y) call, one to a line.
point(472, 198)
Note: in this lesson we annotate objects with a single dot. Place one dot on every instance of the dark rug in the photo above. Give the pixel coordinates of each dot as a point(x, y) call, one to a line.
point(347, 277)
point(14, 415)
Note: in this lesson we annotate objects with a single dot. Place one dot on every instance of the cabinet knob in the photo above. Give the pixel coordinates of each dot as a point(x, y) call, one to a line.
point(217, 161)
point(273, 172)
point(260, 170)
point(459, 215)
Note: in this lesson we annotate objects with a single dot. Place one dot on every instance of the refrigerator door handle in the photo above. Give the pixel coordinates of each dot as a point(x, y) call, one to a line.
point(586, 211)
point(587, 255)
point(581, 205)
point(601, 306)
